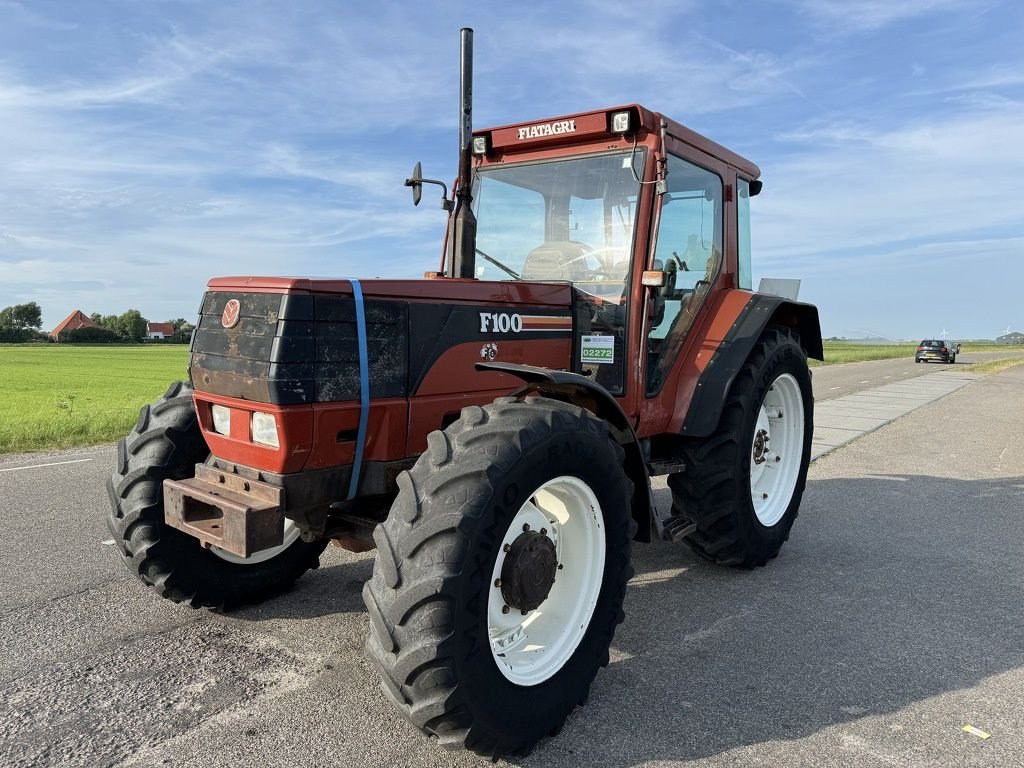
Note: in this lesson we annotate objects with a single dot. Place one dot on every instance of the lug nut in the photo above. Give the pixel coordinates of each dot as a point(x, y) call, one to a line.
point(764, 496)
point(507, 547)
point(505, 609)
point(523, 613)
point(497, 582)
point(560, 566)
point(526, 526)
point(777, 458)
point(543, 531)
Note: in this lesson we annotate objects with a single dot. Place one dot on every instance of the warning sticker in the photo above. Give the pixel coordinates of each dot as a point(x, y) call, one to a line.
point(597, 349)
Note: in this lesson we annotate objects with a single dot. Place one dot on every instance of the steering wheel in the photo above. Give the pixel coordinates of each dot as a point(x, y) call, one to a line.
point(604, 256)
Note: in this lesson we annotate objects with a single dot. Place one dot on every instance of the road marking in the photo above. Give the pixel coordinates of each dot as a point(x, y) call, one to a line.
point(835, 388)
point(976, 732)
point(40, 466)
point(865, 381)
point(888, 377)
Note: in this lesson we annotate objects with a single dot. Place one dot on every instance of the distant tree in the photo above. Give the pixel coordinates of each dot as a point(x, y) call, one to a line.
point(28, 315)
point(182, 331)
point(20, 322)
point(110, 322)
point(90, 335)
point(132, 326)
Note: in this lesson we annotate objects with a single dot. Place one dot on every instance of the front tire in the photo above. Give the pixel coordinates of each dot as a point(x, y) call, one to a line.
point(167, 444)
point(742, 485)
point(490, 614)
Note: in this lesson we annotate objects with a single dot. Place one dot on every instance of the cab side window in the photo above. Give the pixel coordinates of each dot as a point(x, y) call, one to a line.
point(743, 233)
point(690, 251)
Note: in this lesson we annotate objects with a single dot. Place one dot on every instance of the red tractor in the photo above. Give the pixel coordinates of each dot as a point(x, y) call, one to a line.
point(492, 430)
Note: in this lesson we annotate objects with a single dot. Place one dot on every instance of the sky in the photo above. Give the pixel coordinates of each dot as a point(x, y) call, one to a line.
point(148, 146)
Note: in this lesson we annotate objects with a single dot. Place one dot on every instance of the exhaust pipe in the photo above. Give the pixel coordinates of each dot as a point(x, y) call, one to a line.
point(463, 263)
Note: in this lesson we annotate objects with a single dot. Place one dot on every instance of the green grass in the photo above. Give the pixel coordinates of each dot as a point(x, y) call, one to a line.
point(994, 366)
point(58, 396)
point(854, 352)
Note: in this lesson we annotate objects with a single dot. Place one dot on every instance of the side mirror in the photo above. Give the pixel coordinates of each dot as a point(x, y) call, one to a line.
point(416, 182)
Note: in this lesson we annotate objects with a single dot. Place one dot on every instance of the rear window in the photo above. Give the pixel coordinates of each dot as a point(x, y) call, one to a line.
point(931, 343)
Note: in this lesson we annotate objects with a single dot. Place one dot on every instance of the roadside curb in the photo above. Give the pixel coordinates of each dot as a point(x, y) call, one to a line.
point(844, 419)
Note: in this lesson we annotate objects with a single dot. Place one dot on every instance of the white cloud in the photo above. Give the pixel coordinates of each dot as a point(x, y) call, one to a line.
point(857, 15)
point(846, 187)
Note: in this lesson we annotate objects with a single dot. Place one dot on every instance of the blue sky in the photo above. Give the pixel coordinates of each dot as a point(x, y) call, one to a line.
point(145, 147)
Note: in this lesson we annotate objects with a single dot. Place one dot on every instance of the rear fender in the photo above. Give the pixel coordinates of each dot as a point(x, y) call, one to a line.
point(579, 390)
point(716, 380)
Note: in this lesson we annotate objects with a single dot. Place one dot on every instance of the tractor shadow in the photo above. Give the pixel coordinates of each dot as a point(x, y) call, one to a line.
point(892, 590)
point(335, 587)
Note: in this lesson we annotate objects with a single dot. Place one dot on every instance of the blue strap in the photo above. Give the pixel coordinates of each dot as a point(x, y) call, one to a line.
point(364, 388)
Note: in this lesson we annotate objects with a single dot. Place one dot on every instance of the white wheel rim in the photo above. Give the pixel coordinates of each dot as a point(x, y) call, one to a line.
point(291, 533)
point(776, 450)
point(530, 648)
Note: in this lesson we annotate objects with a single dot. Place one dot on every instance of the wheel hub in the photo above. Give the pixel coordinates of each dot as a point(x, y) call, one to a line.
point(761, 441)
point(528, 572)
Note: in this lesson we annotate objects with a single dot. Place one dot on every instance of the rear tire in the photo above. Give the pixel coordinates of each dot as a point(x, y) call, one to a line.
point(715, 490)
point(445, 660)
point(167, 444)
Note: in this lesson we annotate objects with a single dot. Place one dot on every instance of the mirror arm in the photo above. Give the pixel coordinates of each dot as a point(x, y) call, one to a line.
point(445, 202)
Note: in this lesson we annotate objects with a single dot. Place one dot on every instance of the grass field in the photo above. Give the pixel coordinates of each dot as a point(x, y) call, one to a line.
point(853, 352)
point(57, 396)
point(994, 366)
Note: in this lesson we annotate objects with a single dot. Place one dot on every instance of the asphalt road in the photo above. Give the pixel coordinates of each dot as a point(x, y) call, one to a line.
point(891, 619)
point(846, 378)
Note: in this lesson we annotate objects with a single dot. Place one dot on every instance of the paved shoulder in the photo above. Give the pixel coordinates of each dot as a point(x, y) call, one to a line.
point(838, 421)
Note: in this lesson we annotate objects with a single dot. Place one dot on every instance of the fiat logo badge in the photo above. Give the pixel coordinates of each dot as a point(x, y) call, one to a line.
point(230, 317)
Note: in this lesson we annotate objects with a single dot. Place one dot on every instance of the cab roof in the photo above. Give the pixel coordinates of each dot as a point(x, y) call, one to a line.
point(591, 125)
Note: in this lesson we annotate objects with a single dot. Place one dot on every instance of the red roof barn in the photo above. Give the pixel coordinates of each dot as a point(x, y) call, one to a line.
point(74, 321)
point(159, 330)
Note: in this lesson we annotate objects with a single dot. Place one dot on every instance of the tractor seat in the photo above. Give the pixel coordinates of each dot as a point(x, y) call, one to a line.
point(556, 260)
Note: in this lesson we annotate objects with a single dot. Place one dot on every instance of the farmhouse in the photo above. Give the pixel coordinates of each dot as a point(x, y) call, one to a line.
point(1011, 338)
point(74, 321)
point(159, 330)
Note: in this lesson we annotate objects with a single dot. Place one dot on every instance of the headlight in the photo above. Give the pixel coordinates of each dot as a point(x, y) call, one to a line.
point(221, 419)
point(621, 122)
point(264, 429)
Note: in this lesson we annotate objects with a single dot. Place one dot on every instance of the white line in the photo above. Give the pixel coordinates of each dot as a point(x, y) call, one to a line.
point(888, 377)
point(51, 464)
point(865, 381)
point(835, 388)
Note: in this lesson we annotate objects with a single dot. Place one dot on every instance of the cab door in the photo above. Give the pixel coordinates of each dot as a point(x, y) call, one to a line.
point(690, 245)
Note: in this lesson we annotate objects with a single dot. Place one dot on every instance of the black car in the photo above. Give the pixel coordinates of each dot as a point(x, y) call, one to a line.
point(935, 349)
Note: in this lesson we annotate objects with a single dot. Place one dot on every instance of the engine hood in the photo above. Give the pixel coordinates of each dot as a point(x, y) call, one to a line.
point(548, 294)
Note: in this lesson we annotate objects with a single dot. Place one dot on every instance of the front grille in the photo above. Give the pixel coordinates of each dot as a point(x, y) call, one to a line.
point(290, 349)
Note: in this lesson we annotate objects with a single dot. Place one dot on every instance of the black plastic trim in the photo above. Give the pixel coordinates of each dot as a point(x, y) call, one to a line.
point(715, 382)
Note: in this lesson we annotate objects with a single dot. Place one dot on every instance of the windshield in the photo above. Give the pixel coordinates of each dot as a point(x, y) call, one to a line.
point(570, 219)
